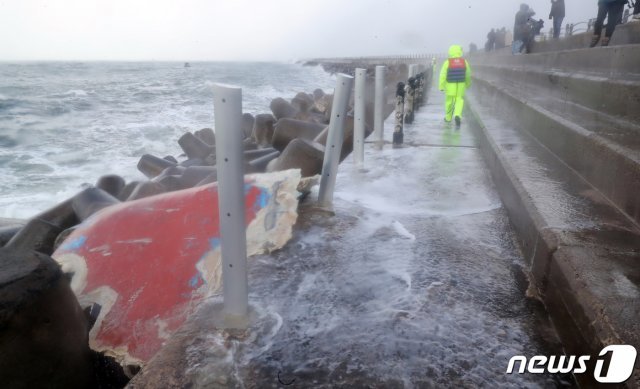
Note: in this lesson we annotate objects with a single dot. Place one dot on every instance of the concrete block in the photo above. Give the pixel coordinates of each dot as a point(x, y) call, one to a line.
point(151, 166)
point(44, 337)
point(288, 129)
point(259, 165)
point(111, 184)
point(300, 154)
point(253, 154)
point(170, 158)
point(90, 201)
point(194, 162)
point(61, 215)
point(206, 135)
point(347, 145)
point(263, 129)
point(146, 189)
point(127, 190)
point(302, 102)
point(37, 235)
point(247, 124)
point(195, 174)
point(194, 147)
point(281, 108)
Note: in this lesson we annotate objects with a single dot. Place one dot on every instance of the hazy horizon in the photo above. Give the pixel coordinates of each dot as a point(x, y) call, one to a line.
point(249, 30)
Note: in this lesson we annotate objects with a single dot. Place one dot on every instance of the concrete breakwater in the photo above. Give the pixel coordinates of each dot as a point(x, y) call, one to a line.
point(565, 159)
point(292, 135)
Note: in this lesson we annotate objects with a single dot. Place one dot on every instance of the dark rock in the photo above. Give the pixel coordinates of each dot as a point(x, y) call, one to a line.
point(171, 171)
point(302, 102)
point(347, 144)
point(249, 144)
point(253, 154)
point(193, 162)
point(127, 190)
point(247, 124)
point(259, 165)
point(37, 235)
point(8, 232)
point(194, 147)
point(206, 135)
point(288, 129)
point(282, 109)
point(61, 215)
point(300, 154)
point(323, 105)
point(211, 178)
point(111, 184)
point(171, 183)
point(90, 201)
point(8, 228)
point(195, 174)
point(151, 166)
point(44, 338)
point(263, 129)
point(146, 189)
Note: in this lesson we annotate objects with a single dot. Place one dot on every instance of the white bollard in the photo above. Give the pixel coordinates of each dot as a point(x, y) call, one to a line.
point(378, 116)
point(359, 112)
point(227, 105)
point(333, 147)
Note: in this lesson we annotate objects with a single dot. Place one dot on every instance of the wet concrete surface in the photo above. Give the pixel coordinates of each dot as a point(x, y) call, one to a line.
point(578, 98)
point(587, 274)
point(416, 282)
point(605, 159)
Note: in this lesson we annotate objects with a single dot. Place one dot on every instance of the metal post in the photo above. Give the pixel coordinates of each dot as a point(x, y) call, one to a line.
point(359, 112)
point(378, 117)
point(408, 100)
point(398, 134)
point(335, 138)
point(227, 105)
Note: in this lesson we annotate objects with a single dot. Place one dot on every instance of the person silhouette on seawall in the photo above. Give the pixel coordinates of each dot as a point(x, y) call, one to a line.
point(612, 8)
point(557, 14)
point(491, 40)
point(522, 29)
point(455, 78)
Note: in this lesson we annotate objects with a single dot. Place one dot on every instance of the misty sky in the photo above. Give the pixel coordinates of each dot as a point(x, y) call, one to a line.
point(188, 30)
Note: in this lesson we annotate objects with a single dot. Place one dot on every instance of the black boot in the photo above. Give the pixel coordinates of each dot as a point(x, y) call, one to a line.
point(594, 40)
point(458, 121)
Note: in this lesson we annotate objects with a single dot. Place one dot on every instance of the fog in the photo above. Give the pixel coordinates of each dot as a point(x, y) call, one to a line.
point(231, 30)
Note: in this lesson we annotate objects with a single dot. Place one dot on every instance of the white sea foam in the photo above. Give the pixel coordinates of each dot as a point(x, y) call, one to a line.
point(77, 122)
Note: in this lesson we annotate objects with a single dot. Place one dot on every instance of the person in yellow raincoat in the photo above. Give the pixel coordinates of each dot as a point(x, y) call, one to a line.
point(455, 78)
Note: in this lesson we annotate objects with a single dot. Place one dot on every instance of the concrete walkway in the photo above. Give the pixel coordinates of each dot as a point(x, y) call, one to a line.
point(415, 282)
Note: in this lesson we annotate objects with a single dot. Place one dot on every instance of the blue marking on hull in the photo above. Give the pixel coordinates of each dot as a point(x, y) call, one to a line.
point(74, 244)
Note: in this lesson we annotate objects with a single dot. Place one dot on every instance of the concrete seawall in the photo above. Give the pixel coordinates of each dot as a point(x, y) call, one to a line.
point(560, 133)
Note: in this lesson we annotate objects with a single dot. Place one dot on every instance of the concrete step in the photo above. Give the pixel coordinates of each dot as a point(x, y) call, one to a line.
point(614, 62)
point(606, 156)
point(625, 34)
point(611, 96)
point(584, 254)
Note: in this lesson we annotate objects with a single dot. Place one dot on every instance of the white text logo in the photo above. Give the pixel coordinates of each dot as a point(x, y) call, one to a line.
point(620, 364)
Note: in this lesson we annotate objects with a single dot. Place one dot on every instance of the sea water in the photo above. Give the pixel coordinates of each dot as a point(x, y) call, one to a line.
point(65, 124)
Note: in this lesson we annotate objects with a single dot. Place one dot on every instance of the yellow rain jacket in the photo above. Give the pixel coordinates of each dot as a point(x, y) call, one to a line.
point(455, 78)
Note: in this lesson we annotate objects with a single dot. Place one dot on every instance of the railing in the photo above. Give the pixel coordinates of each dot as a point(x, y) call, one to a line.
point(386, 59)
